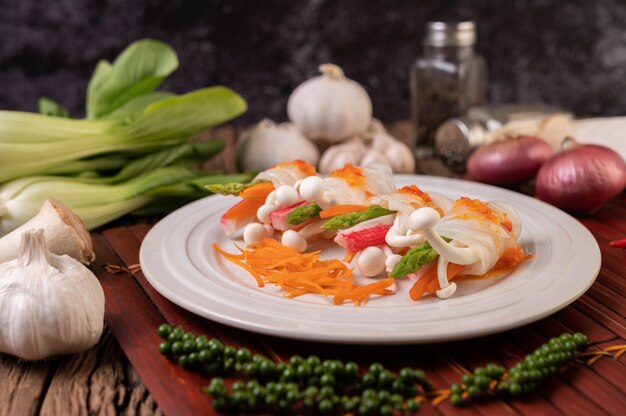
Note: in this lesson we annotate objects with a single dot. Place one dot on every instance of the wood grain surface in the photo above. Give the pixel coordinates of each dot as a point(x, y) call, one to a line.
point(136, 380)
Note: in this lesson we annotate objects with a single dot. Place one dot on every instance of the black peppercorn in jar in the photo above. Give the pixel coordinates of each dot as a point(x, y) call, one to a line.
point(445, 81)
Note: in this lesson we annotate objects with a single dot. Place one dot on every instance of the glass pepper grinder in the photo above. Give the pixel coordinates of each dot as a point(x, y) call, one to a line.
point(447, 80)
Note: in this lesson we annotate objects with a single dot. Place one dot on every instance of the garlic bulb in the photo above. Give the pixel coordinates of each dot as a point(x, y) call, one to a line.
point(268, 143)
point(49, 304)
point(330, 107)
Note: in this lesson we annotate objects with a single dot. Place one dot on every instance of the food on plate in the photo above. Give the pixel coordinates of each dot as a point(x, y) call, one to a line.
point(398, 232)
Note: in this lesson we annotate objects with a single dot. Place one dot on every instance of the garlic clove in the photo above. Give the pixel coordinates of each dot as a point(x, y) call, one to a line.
point(373, 157)
point(400, 157)
point(64, 231)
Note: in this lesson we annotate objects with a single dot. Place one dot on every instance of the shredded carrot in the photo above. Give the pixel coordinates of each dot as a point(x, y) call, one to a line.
point(258, 191)
point(269, 262)
point(342, 209)
point(428, 283)
point(349, 257)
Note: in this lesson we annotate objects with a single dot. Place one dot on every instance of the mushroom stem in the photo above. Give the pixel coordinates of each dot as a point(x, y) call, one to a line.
point(424, 220)
point(396, 239)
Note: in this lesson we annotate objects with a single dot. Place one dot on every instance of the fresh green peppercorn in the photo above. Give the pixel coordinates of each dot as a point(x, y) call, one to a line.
point(217, 386)
point(251, 369)
point(419, 376)
point(482, 382)
point(271, 400)
point(384, 396)
point(396, 399)
point(467, 379)
point(230, 352)
point(376, 368)
point(580, 340)
point(385, 410)
point(289, 374)
point(179, 330)
point(412, 405)
point(193, 359)
point(456, 389)
point(303, 371)
point(311, 391)
point(295, 361)
point(188, 336)
point(351, 370)
point(183, 361)
point(325, 406)
point(174, 336)
point(368, 380)
point(204, 356)
point(473, 391)
point(165, 348)
point(164, 330)
point(266, 368)
point(515, 389)
point(327, 391)
point(308, 403)
point(327, 380)
point(188, 346)
point(219, 405)
point(398, 386)
point(456, 399)
point(385, 379)
point(243, 355)
point(313, 360)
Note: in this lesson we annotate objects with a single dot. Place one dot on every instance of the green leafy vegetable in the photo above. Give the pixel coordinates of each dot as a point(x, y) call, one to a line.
point(414, 259)
point(51, 108)
point(133, 149)
point(302, 213)
point(349, 220)
point(137, 71)
point(33, 143)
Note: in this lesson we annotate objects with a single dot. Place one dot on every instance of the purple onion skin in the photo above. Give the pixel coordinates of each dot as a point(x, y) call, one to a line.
point(508, 162)
point(581, 178)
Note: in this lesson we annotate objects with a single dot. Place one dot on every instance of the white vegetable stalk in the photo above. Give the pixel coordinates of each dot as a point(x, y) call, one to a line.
point(64, 231)
point(49, 304)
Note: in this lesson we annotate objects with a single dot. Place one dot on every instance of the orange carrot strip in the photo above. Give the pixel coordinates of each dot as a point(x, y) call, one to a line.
point(452, 271)
point(341, 209)
point(349, 257)
point(419, 287)
point(225, 254)
point(243, 209)
point(258, 191)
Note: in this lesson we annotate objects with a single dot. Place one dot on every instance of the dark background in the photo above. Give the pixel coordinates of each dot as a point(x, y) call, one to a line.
point(568, 53)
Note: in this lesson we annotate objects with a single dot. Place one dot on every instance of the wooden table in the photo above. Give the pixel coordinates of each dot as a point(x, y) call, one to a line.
point(135, 379)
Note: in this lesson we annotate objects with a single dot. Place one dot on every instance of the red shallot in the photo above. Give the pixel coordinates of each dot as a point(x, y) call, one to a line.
point(581, 177)
point(508, 161)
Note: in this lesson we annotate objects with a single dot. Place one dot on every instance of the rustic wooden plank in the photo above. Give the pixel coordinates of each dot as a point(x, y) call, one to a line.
point(602, 315)
point(23, 385)
point(94, 382)
point(133, 320)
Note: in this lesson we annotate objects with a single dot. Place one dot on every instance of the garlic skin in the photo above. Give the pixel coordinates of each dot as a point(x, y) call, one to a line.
point(330, 107)
point(49, 304)
point(65, 233)
point(337, 156)
point(268, 143)
point(374, 147)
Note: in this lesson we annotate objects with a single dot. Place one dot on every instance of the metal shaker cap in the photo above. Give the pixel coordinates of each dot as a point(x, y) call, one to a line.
point(450, 33)
point(455, 139)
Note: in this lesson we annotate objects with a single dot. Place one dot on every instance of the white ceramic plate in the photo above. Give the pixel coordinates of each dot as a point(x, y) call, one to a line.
point(178, 260)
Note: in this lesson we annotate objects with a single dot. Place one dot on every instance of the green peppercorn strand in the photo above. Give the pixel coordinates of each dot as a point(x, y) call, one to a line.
point(303, 384)
point(524, 377)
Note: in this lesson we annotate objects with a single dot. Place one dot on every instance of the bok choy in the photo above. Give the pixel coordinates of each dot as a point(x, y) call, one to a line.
point(132, 148)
